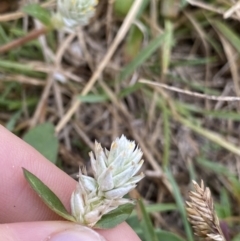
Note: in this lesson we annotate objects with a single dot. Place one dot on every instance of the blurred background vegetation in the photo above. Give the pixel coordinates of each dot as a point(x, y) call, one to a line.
point(172, 85)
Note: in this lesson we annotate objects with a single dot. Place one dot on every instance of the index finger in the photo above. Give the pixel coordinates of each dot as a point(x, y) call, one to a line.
point(19, 203)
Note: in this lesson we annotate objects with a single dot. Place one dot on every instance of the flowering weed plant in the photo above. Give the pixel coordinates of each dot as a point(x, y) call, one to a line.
point(76, 12)
point(99, 201)
point(69, 14)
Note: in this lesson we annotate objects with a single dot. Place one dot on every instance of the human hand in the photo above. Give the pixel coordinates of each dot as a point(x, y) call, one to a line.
point(23, 216)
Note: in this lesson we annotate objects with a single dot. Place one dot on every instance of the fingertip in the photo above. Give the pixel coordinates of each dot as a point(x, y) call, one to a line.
point(121, 232)
point(48, 231)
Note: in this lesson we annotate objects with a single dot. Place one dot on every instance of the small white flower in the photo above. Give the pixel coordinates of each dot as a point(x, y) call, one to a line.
point(75, 12)
point(114, 176)
point(87, 206)
point(115, 170)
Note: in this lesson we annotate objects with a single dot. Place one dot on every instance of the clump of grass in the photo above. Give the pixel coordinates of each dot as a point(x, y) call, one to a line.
point(201, 214)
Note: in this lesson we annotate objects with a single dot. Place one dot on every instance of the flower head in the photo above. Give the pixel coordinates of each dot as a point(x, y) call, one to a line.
point(115, 170)
point(114, 176)
point(86, 205)
point(75, 12)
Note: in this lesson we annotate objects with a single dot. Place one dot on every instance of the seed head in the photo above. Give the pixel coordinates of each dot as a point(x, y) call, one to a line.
point(202, 216)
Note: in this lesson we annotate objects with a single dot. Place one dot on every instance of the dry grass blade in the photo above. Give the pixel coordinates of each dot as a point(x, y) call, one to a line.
point(187, 92)
point(23, 40)
point(129, 19)
point(231, 13)
point(201, 214)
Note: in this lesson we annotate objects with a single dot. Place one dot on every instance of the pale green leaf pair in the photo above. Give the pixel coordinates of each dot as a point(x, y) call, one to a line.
point(109, 220)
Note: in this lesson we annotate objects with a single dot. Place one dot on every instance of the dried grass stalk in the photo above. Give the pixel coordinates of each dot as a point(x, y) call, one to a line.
point(202, 216)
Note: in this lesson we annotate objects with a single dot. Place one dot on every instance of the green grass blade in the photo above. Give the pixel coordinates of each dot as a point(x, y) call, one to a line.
point(215, 167)
point(13, 120)
point(211, 136)
point(167, 46)
point(167, 236)
point(228, 33)
point(142, 56)
point(93, 98)
point(159, 207)
point(167, 133)
point(223, 209)
point(146, 223)
point(180, 204)
point(38, 12)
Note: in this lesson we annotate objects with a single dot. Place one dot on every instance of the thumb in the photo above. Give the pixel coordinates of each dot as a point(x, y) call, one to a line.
point(48, 231)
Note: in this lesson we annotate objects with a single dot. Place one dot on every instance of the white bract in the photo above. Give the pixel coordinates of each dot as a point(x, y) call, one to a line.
point(114, 176)
point(114, 170)
point(75, 12)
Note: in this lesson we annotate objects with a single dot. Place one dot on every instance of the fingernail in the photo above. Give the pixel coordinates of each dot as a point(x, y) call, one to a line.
point(79, 233)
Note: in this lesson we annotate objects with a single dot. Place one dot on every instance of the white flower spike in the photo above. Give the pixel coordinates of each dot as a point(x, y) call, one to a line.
point(87, 207)
point(75, 12)
point(114, 176)
point(114, 170)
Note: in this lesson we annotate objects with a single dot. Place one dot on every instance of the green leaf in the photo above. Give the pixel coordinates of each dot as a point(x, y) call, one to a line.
point(215, 167)
point(133, 43)
point(15, 66)
point(164, 235)
point(115, 217)
point(158, 207)
point(43, 139)
point(17, 104)
point(235, 187)
point(236, 238)
point(224, 208)
point(13, 120)
point(167, 134)
point(133, 220)
point(36, 11)
point(180, 204)
point(228, 33)
point(142, 56)
point(146, 223)
point(121, 7)
point(167, 46)
point(130, 89)
point(48, 197)
point(93, 98)
point(183, 3)
point(222, 170)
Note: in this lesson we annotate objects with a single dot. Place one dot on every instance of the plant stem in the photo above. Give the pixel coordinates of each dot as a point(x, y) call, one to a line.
point(20, 41)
